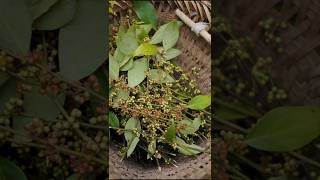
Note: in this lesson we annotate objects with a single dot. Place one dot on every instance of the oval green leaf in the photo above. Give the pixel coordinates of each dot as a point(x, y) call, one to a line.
point(285, 129)
point(113, 68)
point(145, 49)
point(171, 35)
point(199, 102)
point(120, 95)
point(188, 149)
point(160, 76)
point(172, 53)
point(59, 15)
point(146, 12)
point(131, 138)
point(38, 8)
point(83, 43)
point(113, 120)
point(128, 43)
point(132, 123)
point(138, 73)
point(132, 146)
point(9, 171)
point(37, 105)
point(171, 132)
point(127, 66)
point(7, 91)
point(15, 27)
point(188, 126)
point(158, 36)
point(101, 75)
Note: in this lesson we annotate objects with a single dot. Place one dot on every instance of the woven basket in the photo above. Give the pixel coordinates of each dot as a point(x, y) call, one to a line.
point(297, 70)
point(196, 53)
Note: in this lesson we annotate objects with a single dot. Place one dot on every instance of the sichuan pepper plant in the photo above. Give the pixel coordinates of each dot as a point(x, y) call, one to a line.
point(154, 106)
point(53, 117)
point(258, 133)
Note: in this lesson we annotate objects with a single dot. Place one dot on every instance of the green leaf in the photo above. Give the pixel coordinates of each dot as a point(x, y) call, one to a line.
point(131, 138)
point(138, 73)
point(7, 91)
point(15, 27)
point(128, 43)
point(103, 81)
point(3, 78)
point(172, 53)
point(132, 146)
point(83, 43)
point(228, 114)
point(113, 68)
point(37, 105)
point(145, 49)
point(142, 31)
point(171, 132)
point(151, 148)
point(42, 106)
point(127, 66)
point(199, 102)
point(188, 126)
point(59, 15)
point(141, 88)
point(121, 58)
point(121, 32)
point(188, 149)
point(113, 120)
point(10, 171)
point(40, 7)
point(171, 35)
point(285, 129)
point(240, 107)
point(121, 95)
point(158, 36)
point(146, 12)
point(160, 76)
point(132, 123)
point(125, 61)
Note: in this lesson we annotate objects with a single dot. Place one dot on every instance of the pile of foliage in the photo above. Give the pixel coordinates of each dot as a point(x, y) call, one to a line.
point(155, 108)
point(258, 134)
point(53, 116)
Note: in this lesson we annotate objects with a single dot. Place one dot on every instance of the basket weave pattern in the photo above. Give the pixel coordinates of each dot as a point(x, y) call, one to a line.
point(195, 53)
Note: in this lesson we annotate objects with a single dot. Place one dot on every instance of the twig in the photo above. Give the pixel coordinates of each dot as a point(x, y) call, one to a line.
point(101, 97)
point(300, 156)
point(64, 112)
point(245, 131)
point(237, 172)
point(44, 145)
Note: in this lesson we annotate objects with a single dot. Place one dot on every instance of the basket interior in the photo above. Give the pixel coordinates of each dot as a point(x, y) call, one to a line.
point(195, 53)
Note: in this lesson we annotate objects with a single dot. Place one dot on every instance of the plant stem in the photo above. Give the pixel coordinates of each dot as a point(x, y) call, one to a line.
point(181, 94)
point(78, 131)
point(306, 159)
point(249, 162)
point(236, 172)
point(235, 108)
point(232, 125)
point(294, 154)
point(101, 97)
point(44, 145)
